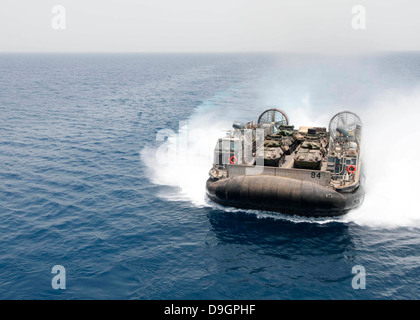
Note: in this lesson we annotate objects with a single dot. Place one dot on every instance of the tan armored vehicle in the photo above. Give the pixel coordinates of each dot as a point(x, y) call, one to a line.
point(273, 153)
point(309, 156)
point(312, 149)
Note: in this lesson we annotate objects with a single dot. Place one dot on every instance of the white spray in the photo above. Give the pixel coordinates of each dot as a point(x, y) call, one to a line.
point(391, 136)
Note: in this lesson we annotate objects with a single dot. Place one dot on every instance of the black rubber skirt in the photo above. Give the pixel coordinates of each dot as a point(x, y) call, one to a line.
point(285, 195)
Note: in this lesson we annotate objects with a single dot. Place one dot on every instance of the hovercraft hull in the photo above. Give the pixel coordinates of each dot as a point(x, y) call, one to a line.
point(285, 195)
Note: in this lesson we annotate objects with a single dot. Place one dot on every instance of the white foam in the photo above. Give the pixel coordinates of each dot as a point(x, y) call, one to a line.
point(184, 160)
point(392, 159)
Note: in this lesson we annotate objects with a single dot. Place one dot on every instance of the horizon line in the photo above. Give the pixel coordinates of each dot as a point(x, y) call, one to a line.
point(213, 52)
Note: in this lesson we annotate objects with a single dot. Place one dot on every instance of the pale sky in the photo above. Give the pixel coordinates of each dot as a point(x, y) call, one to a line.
point(209, 26)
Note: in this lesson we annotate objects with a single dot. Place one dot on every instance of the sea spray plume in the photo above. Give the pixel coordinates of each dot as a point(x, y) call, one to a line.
point(183, 159)
point(391, 157)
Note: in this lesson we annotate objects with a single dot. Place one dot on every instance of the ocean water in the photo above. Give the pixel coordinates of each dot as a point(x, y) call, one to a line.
point(103, 161)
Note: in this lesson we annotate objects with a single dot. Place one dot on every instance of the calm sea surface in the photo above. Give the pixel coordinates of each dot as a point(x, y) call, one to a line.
point(81, 186)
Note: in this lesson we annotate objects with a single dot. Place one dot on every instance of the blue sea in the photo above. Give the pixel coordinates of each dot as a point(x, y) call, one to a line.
point(104, 158)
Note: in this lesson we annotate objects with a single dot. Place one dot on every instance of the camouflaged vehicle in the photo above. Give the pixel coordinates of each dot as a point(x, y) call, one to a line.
point(309, 156)
point(312, 149)
point(273, 153)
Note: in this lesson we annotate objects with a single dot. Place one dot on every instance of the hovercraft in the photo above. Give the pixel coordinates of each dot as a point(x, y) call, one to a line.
point(270, 165)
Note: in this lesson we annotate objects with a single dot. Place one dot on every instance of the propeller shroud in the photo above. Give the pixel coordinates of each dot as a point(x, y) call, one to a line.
point(277, 116)
point(346, 119)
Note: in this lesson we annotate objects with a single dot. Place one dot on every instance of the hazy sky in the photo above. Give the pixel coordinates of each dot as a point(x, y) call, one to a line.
point(209, 25)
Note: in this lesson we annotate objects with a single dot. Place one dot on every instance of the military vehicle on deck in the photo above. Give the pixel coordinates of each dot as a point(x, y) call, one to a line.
point(312, 150)
point(269, 165)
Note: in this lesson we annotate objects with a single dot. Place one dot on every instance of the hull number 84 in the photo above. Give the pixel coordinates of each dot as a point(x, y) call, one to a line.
point(316, 175)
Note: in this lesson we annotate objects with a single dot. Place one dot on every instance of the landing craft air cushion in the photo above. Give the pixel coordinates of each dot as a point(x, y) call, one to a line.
point(269, 165)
